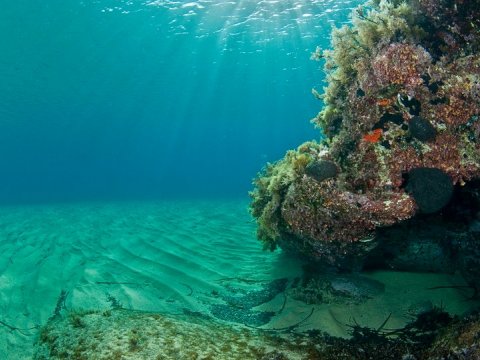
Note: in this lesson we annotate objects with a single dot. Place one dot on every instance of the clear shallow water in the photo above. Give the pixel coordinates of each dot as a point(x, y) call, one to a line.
point(141, 99)
point(165, 257)
point(135, 101)
point(179, 257)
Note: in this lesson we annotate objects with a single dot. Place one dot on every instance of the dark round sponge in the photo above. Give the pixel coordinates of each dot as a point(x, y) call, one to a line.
point(422, 129)
point(431, 188)
point(321, 170)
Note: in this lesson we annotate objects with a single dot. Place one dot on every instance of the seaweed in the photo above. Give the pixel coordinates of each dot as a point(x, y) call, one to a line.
point(402, 94)
point(23, 331)
point(114, 303)
point(239, 308)
point(60, 305)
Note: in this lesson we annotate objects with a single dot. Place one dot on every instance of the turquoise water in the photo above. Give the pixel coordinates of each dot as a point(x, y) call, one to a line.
point(150, 256)
point(197, 258)
point(108, 104)
point(130, 132)
point(141, 99)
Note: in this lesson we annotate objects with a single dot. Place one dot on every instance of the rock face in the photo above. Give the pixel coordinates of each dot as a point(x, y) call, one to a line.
point(402, 140)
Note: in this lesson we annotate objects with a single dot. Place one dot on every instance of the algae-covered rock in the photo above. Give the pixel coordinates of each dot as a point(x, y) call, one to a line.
point(460, 340)
point(402, 95)
point(127, 334)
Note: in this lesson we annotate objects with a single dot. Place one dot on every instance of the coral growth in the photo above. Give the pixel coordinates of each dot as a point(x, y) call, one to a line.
point(403, 94)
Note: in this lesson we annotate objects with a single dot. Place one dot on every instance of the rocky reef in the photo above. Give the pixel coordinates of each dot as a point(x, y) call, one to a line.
point(395, 182)
point(126, 334)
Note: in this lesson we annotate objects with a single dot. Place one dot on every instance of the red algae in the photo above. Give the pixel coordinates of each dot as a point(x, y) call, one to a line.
point(403, 94)
point(374, 136)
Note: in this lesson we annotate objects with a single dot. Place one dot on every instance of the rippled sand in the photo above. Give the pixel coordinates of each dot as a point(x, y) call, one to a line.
point(146, 256)
point(172, 257)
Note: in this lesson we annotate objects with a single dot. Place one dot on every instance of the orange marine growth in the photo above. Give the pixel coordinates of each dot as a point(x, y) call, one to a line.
point(384, 102)
point(373, 136)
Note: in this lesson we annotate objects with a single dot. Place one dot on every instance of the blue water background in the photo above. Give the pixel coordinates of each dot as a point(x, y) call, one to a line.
point(132, 99)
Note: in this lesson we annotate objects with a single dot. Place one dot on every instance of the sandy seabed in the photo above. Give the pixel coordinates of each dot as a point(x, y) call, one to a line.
point(172, 257)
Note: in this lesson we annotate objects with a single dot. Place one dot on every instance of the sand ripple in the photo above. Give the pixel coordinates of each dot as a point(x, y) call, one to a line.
point(162, 256)
point(171, 257)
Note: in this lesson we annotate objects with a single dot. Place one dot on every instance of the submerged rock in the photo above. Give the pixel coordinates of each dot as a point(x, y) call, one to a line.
point(336, 289)
point(321, 170)
point(129, 335)
point(416, 63)
point(422, 129)
point(431, 188)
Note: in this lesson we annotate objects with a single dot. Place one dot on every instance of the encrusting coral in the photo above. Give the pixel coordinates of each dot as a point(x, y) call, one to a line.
point(402, 131)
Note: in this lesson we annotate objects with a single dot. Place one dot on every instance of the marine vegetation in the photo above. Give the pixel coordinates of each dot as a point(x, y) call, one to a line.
point(128, 334)
point(401, 127)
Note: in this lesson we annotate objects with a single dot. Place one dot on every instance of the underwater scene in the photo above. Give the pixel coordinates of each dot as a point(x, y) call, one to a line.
point(216, 179)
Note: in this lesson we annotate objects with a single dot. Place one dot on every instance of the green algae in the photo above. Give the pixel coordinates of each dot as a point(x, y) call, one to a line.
point(402, 93)
point(270, 187)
